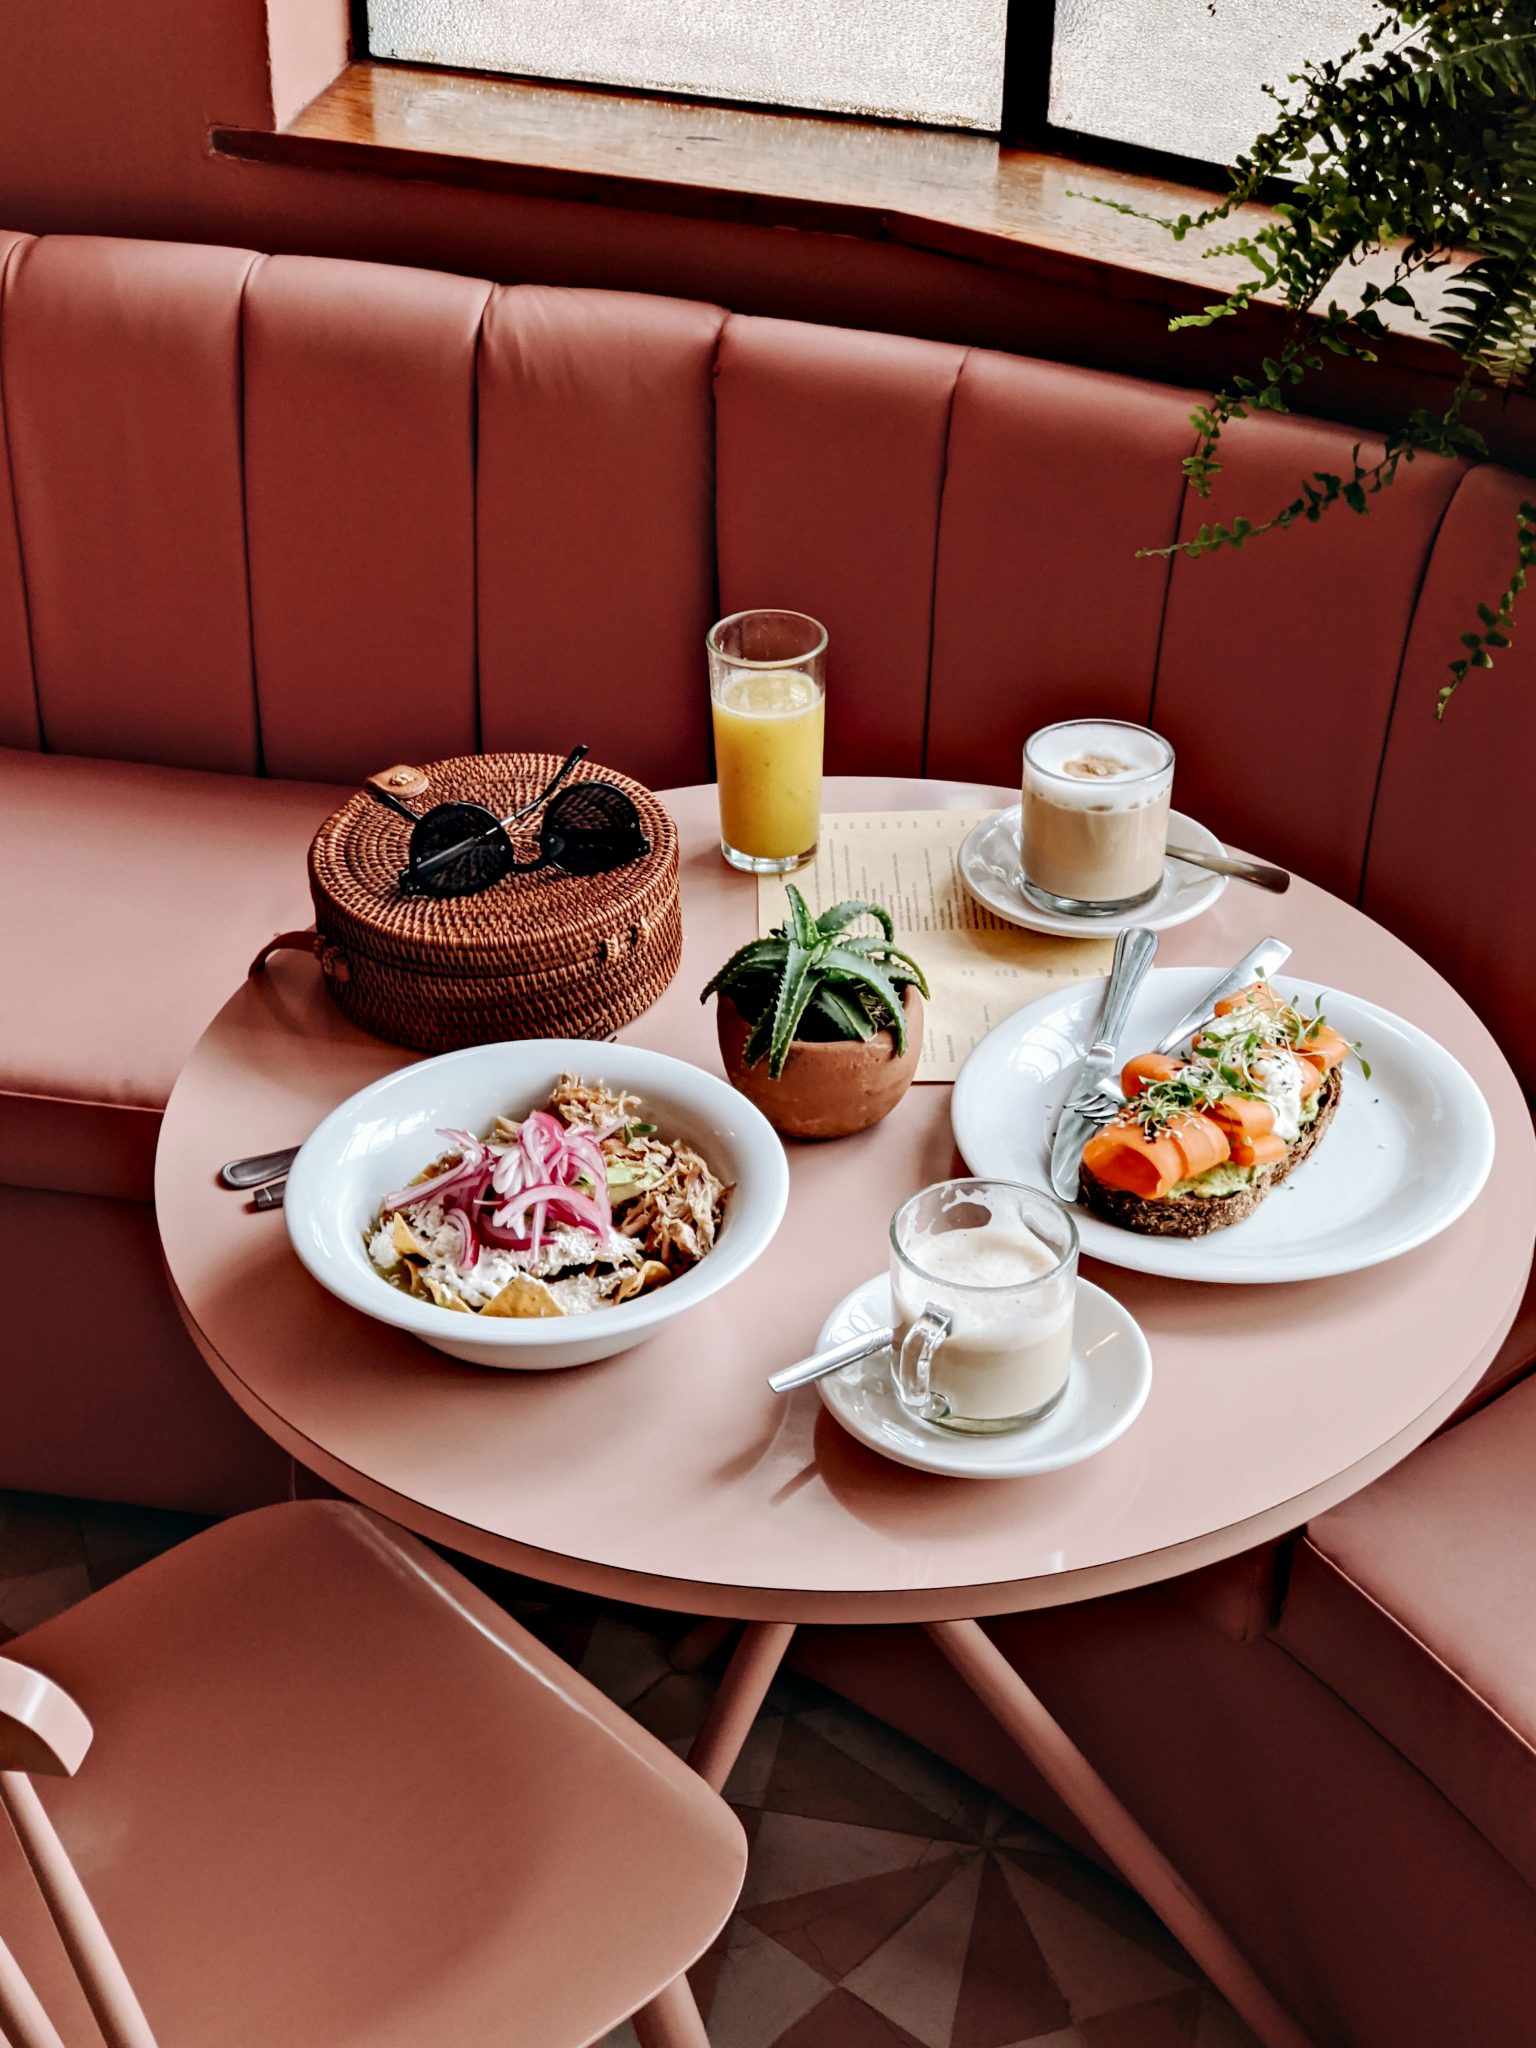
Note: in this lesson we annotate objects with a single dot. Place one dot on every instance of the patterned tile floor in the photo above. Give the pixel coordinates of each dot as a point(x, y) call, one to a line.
point(891, 1902)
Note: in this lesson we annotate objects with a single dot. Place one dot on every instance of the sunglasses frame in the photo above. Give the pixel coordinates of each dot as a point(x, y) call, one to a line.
point(415, 878)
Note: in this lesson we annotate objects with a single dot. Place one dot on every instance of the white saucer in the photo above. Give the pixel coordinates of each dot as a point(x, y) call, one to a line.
point(989, 868)
point(1111, 1378)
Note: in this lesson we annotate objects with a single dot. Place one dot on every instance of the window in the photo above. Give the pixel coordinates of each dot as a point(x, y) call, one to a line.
point(1181, 77)
point(935, 61)
point(1185, 76)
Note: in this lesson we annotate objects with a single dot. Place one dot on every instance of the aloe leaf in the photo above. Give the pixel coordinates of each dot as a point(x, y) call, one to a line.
point(759, 956)
point(890, 957)
point(795, 991)
point(850, 1017)
point(841, 915)
point(894, 960)
point(855, 967)
point(759, 1038)
point(805, 932)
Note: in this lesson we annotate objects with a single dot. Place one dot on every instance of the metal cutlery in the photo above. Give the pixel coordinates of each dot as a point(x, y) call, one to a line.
point(1135, 951)
point(1262, 959)
point(820, 1363)
point(271, 1195)
point(1258, 872)
point(258, 1168)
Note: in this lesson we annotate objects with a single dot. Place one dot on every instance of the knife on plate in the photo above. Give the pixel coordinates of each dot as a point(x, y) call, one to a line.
point(1265, 958)
point(1134, 954)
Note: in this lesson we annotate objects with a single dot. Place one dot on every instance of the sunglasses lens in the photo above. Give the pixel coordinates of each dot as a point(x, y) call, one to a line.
point(592, 827)
point(485, 854)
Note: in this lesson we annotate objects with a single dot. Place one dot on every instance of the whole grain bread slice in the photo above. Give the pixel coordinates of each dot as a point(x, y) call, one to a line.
point(1198, 1215)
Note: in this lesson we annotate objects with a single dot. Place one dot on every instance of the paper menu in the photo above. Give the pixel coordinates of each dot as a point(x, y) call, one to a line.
point(980, 968)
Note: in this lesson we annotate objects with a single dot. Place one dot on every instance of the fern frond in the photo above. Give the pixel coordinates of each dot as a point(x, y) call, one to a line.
point(1421, 139)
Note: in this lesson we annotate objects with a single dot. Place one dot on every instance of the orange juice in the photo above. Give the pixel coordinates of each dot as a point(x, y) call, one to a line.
point(768, 734)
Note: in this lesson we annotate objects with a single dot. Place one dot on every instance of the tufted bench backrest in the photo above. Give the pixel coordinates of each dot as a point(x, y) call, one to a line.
point(303, 516)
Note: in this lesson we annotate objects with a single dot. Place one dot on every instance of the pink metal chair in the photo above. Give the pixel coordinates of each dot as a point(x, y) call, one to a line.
point(335, 1797)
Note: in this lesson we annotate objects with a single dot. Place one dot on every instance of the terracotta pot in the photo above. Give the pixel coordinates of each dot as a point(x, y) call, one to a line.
point(828, 1089)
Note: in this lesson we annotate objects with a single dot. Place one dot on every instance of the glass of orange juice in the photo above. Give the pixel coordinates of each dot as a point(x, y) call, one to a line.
point(767, 691)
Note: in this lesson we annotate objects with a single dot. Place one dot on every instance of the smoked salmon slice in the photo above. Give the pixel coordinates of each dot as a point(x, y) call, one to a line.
point(1126, 1157)
point(1145, 1068)
point(1243, 1116)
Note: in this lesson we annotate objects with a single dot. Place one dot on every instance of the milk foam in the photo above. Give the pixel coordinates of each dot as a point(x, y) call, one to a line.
point(1140, 756)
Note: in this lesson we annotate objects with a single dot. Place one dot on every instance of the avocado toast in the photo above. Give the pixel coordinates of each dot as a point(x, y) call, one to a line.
point(1205, 1136)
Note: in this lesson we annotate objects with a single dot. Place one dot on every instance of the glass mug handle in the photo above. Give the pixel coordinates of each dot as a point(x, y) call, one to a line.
point(914, 1364)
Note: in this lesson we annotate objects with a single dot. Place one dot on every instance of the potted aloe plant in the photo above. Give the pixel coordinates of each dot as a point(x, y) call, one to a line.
point(821, 1026)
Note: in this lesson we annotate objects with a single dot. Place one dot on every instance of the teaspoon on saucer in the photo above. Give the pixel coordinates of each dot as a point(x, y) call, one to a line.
point(1258, 872)
point(820, 1363)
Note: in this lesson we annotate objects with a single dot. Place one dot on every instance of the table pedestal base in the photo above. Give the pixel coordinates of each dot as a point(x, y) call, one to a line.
point(672, 2020)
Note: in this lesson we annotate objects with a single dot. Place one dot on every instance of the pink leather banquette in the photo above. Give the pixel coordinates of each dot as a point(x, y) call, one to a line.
point(270, 522)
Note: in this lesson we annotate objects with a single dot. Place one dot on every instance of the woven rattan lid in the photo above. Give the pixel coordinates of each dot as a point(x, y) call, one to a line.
point(523, 925)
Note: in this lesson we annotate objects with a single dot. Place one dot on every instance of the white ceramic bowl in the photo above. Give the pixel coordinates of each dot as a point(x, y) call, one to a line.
point(387, 1133)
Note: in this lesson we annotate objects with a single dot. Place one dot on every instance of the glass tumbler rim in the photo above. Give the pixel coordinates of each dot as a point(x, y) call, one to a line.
point(1121, 724)
point(979, 1180)
point(720, 653)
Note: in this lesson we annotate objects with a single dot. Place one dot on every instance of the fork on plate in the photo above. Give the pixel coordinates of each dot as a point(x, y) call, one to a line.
point(1102, 1106)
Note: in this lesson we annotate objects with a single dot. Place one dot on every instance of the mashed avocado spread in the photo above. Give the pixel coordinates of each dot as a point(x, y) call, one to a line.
point(1226, 1179)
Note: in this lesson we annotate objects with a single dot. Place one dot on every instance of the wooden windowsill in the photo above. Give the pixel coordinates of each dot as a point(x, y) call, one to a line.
point(933, 189)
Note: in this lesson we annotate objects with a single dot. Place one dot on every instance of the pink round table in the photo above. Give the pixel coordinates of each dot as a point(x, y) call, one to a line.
point(671, 1476)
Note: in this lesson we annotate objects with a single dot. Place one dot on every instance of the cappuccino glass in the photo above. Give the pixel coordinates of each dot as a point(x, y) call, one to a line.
point(1094, 828)
point(983, 1288)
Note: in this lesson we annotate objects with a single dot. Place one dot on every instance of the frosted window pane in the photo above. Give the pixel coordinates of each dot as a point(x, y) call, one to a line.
point(1184, 75)
point(938, 61)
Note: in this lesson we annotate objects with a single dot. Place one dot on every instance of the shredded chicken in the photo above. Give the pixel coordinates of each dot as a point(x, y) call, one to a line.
point(674, 1211)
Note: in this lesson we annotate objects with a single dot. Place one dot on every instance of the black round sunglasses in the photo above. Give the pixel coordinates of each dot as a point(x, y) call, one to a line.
point(458, 849)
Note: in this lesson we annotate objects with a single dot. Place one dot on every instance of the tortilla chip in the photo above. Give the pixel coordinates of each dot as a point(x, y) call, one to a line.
point(523, 1296)
point(641, 1279)
point(405, 1240)
point(442, 1295)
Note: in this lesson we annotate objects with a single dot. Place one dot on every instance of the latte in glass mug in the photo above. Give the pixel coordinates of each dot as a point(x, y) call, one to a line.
point(983, 1288)
point(1095, 815)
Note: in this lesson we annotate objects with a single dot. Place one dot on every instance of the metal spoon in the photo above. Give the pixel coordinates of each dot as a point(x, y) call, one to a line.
point(1258, 872)
point(820, 1363)
point(259, 1167)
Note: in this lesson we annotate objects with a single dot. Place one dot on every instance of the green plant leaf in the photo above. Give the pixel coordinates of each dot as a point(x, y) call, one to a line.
point(758, 956)
point(849, 1016)
point(802, 926)
point(795, 991)
point(896, 960)
point(759, 1038)
point(841, 915)
point(855, 967)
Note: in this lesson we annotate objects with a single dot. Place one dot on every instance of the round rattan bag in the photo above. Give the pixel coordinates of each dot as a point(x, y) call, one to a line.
point(541, 955)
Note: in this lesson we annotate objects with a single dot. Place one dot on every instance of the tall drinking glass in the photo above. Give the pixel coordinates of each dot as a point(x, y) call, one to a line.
point(767, 691)
point(983, 1291)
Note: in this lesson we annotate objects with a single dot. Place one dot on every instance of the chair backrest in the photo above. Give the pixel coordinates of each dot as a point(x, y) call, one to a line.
point(306, 516)
point(43, 1731)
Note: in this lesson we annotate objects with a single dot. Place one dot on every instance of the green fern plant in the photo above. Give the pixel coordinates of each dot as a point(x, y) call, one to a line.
point(810, 979)
point(1420, 140)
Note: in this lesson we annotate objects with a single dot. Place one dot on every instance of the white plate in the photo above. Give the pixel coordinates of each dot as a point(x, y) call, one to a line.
point(1111, 1378)
point(1408, 1151)
point(989, 868)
